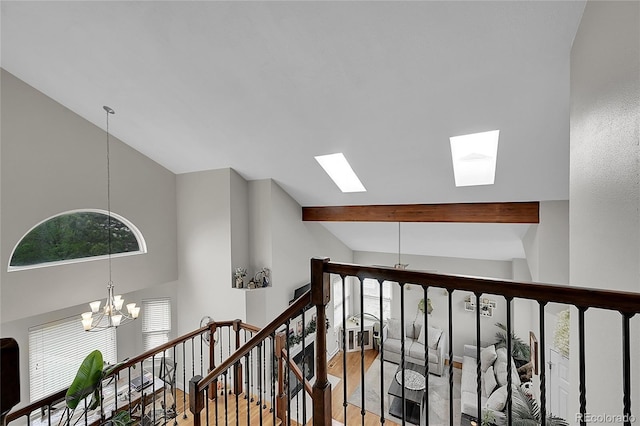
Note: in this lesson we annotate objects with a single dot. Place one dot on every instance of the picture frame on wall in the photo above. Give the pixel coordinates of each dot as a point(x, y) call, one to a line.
point(533, 349)
point(486, 310)
point(299, 328)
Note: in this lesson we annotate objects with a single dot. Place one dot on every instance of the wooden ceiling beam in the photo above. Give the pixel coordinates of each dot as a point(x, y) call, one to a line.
point(515, 212)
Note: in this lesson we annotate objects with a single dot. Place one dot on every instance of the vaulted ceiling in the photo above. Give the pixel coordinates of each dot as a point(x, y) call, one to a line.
point(263, 87)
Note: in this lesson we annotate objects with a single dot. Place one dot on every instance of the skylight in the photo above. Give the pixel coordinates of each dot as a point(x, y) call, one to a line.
point(339, 169)
point(474, 158)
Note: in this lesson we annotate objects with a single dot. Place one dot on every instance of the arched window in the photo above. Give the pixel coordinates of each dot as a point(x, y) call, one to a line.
point(76, 236)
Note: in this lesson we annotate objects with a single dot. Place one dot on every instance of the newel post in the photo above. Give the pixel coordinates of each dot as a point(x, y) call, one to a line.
point(213, 387)
point(281, 399)
point(196, 400)
point(320, 297)
point(237, 368)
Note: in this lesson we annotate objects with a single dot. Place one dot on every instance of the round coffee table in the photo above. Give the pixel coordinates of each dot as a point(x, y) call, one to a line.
point(413, 380)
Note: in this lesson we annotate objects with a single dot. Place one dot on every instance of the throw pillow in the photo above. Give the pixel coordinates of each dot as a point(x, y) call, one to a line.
point(434, 337)
point(489, 381)
point(487, 357)
point(421, 336)
point(393, 326)
point(500, 369)
point(498, 399)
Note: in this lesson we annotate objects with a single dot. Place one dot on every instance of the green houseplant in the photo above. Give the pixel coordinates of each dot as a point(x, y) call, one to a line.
point(520, 350)
point(525, 411)
point(87, 383)
point(429, 306)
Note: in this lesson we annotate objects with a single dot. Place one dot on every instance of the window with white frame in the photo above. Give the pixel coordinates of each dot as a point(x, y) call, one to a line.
point(156, 322)
point(76, 236)
point(371, 298)
point(339, 300)
point(57, 349)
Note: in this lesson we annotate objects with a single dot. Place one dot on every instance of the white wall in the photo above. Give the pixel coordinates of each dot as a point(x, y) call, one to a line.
point(292, 245)
point(128, 336)
point(260, 247)
point(204, 250)
point(547, 244)
point(464, 331)
point(605, 188)
point(54, 161)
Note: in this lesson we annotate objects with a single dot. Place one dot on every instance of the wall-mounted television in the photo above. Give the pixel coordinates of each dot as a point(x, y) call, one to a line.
point(300, 291)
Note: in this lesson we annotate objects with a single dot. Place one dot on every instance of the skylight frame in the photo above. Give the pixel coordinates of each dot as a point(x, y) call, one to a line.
point(341, 172)
point(474, 157)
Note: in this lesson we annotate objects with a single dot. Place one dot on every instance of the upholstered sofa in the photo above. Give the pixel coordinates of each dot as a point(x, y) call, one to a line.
point(414, 340)
point(493, 366)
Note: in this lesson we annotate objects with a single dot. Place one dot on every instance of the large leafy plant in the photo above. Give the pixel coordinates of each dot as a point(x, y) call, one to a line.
point(87, 383)
point(520, 350)
point(525, 411)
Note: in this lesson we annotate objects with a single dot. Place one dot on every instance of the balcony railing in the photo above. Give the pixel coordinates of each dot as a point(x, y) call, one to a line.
point(263, 376)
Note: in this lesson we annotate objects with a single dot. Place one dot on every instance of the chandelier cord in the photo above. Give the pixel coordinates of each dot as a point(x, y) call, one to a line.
point(109, 223)
point(399, 243)
point(111, 315)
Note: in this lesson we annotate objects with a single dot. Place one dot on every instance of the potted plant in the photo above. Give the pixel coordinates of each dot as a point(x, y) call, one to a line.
point(87, 383)
point(429, 306)
point(520, 350)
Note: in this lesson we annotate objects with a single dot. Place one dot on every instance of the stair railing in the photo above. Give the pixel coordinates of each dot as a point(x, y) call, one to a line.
point(289, 402)
point(170, 367)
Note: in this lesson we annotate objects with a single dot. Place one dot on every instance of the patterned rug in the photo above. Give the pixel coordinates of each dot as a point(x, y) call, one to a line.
point(438, 394)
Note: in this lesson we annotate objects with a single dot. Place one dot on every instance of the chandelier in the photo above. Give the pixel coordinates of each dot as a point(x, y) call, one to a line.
point(111, 314)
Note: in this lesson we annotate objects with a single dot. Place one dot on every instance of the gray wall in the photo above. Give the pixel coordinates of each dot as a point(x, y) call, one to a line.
point(605, 188)
point(54, 161)
point(204, 249)
point(291, 246)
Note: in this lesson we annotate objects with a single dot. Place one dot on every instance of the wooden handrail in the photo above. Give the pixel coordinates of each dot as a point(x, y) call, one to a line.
point(626, 302)
point(293, 310)
point(42, 402)
point(178, 340)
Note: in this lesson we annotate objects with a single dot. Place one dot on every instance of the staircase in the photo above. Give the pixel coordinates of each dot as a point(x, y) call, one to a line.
point(223, 412)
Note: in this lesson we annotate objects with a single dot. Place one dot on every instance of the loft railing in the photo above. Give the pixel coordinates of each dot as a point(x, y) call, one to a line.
point(625, 304)
point(248, 368)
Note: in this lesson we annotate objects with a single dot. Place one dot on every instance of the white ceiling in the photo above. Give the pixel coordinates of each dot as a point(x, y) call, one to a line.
point(263, 87)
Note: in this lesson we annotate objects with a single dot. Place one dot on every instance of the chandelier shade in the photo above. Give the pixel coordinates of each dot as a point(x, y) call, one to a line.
point(100, 316)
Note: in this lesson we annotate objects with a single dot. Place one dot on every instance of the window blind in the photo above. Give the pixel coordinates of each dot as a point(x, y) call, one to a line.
point(156, 322)
point(338, 300)
point(57, 349)
point(371, 293)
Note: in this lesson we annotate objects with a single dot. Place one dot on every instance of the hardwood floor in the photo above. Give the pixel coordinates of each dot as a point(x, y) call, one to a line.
point(247, 414)
point(335, 368)
point(354, 415)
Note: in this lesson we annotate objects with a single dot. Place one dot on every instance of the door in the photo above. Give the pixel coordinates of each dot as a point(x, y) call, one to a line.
point(558, 384)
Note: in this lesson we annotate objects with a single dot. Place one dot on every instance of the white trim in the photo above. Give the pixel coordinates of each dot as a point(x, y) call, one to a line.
point(142, 244)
